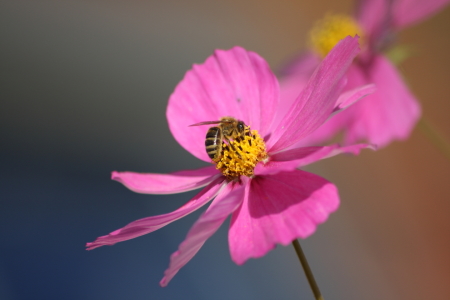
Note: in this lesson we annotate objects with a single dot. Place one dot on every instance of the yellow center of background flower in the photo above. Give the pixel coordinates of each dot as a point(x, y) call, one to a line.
point(328, 31)
point(242, 160)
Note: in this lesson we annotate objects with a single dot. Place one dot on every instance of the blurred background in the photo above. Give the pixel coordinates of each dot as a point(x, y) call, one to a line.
point(83, 91)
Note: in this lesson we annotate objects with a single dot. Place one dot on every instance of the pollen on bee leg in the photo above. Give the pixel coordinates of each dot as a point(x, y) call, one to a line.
point(242, 157)
point(328, 31)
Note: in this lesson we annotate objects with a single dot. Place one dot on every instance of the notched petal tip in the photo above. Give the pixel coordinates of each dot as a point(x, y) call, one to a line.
point(350, 97)
point(163, 282)
point(115, 175)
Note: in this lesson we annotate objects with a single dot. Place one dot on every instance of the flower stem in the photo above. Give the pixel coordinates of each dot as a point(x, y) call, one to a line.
point(307, 270)
point(435, 136)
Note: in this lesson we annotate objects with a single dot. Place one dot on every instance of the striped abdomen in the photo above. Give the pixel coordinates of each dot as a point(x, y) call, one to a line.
point(213, 142)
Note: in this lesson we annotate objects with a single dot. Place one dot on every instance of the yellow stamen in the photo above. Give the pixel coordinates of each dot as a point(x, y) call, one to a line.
point(328, 31)
point(248, 151)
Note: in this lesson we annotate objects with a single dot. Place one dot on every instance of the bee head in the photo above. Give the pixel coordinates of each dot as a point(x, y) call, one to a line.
point(240, 127)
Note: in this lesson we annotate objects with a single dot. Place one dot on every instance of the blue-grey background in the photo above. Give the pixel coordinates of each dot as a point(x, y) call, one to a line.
point(83, 91)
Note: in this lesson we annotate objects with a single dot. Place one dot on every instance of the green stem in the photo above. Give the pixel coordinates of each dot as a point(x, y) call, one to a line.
point(307, 270)
point(435, 136)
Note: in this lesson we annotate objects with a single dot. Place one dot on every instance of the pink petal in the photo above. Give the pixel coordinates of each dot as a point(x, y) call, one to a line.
point(351, 149)
point(150, 224)
point(292, 159)
point(178, 182)
point(329, 129)
point(342, 119)
point(297, 78)
point(307, 155)
point(388, 114)
point(225, 203)
point(274, 167)
point(278, 209)
point(293, 84)
point(350, 97)
point(408, 12)
point(317, 99)
point(235, 83)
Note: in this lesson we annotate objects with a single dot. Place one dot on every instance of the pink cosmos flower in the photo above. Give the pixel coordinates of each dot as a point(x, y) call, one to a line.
point(392, 111)
point(277, 202)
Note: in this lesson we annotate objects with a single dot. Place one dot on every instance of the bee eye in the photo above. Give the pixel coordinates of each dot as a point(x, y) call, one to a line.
point(240, 127)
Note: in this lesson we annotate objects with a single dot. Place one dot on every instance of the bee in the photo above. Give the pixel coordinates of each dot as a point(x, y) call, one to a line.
point(229, 128)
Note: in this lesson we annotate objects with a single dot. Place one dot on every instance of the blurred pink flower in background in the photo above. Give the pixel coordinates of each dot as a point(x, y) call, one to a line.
point(392, 111)
point(279, 203)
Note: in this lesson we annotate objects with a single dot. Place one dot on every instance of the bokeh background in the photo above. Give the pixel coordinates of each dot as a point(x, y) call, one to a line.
point(83, 90)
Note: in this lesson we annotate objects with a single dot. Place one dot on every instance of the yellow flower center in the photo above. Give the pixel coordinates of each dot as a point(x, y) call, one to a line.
point(241, 156)
point(328, 31)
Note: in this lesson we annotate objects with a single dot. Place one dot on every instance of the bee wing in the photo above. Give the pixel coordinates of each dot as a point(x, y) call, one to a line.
point(205, 123)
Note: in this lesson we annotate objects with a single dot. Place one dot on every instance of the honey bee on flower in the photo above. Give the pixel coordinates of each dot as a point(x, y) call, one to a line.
point(254, 174)
point(229, 128)
point(233, 147)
